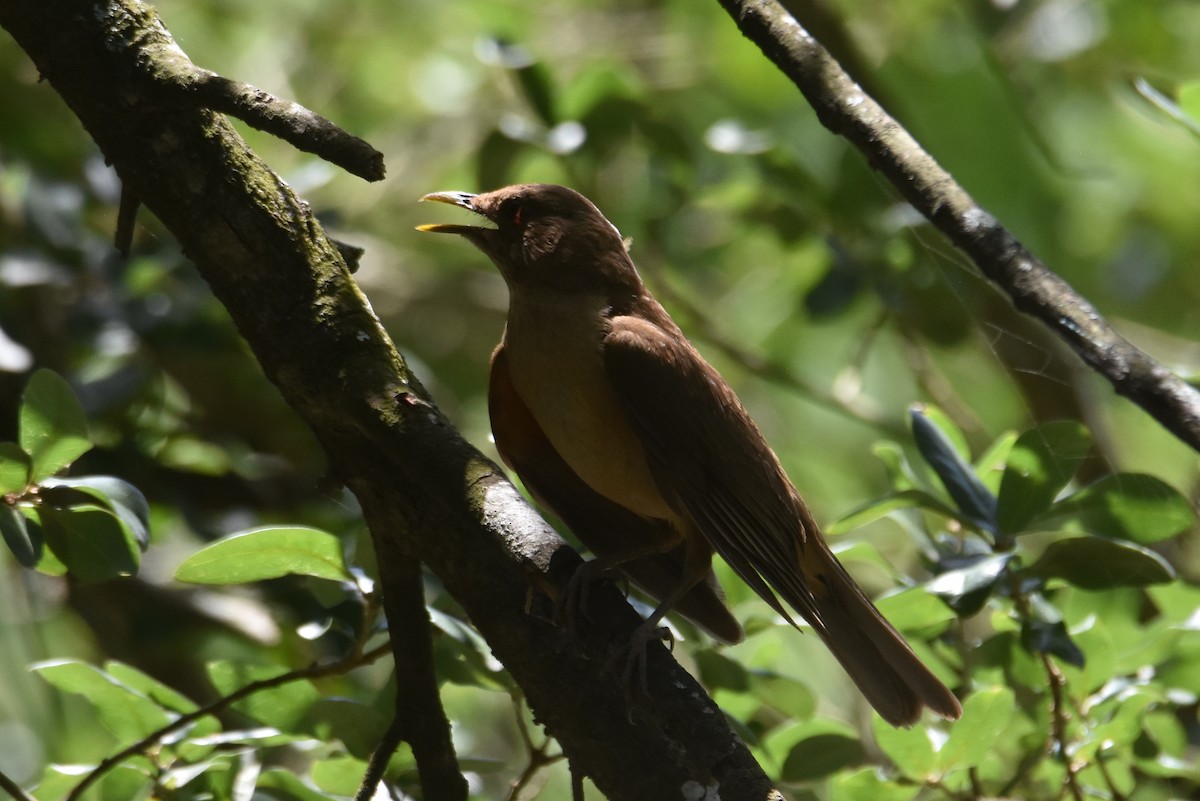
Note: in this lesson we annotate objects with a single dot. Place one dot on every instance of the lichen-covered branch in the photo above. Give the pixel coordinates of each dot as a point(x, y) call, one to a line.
point(847, 110)
point(429, 496)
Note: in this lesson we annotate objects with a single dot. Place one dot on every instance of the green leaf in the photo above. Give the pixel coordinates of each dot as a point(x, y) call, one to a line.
point(358, 726)
point(286, 786)
point(1130, 506)
point(990, 466)
point(936, 445)
point(821, 751)
point(339, 775)
point(966, 588)
point(22, 537)
point(125, 500)
point(267, 553)
point(895, 463)
point(909, 749)
point(126, 782)
point(915, 608)
point(92, 542)
point(14, 469)
point(1096, 563)
point(986, 714)
point(866, 784)
point(874, 510)
point(53, 427)
point(1041, 463)
point(284, 706)
point(1044, 632)
point(150, 687)
point(788, 696)
point(820, 756)
point(129, 715)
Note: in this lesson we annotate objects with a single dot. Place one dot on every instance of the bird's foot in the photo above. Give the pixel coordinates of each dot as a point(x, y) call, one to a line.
point(571, 606)
point(635, 673)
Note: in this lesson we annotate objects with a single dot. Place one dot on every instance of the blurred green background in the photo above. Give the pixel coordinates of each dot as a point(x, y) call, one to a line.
point(796, 270)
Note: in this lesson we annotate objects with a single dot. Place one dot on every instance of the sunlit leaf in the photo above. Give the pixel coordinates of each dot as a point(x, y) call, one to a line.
point(54, 429)
point(910, 750)
point(915, 608)
point(874, 510)
point(1041, 463)
point(1130, 506)
point(966, 588)
point(283, 706)
point(990, 465)
point(150, 687)
point(286, 786)
point(14, 468)
point(986, 714)
point(126, 782)
point(126, 713)
point(868, 784)
point(267, 553)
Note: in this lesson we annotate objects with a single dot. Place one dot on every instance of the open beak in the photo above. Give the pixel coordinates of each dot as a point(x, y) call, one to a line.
point(462, 199)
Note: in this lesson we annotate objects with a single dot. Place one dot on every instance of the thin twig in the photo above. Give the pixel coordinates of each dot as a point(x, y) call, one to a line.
point(1059, 717)
point(538, 758)
point(421, 719)
point(847, 110)
point(1058, 722)
point(379, 760)
point(1114, 792)
point(14, 789)
point(316, 671)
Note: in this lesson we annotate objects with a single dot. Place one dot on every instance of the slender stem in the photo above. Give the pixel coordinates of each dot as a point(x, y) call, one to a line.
point(316, 671)
point(14, 789)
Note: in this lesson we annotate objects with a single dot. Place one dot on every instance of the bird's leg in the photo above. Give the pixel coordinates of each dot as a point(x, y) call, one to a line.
point(574, 600)
point(696, 564)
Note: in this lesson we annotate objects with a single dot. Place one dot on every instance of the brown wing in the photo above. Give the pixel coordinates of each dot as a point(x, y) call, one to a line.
point(714, 467)
point(606, 528)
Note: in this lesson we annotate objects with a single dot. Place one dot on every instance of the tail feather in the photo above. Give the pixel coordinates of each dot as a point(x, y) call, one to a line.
point(873, 653)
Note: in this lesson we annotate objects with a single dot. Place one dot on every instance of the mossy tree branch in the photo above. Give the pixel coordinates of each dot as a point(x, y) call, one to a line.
point(428, 495)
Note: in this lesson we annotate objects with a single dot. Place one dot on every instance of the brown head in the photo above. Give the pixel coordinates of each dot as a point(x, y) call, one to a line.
point(544, 235)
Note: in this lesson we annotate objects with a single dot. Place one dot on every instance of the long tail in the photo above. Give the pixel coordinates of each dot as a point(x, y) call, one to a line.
point(877, 658)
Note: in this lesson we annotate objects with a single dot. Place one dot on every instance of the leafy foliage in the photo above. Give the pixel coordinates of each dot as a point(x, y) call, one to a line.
point(1057, 594)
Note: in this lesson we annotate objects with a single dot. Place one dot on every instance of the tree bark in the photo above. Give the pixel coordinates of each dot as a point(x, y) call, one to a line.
point(428, 494)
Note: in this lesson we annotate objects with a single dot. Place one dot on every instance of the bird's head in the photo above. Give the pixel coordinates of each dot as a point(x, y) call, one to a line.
point(543, 235)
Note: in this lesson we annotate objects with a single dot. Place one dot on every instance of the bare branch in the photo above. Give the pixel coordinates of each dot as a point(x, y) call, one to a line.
point(847, 110)
point(291, 122)
point(420, 717)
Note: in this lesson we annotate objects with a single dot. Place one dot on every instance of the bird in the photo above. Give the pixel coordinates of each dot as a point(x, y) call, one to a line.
point(616, 423)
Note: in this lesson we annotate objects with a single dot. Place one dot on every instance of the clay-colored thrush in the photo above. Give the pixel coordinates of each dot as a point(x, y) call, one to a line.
point(617, 424)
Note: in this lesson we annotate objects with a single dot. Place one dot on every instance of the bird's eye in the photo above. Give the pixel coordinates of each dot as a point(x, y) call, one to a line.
point(516, 216)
